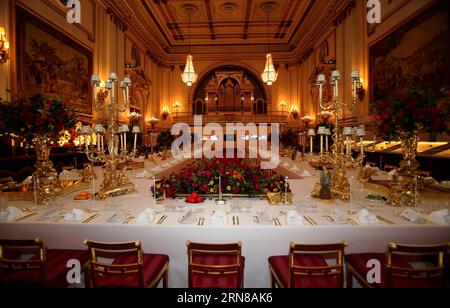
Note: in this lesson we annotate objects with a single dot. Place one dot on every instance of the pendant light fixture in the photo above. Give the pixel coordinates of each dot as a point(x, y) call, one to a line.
point(189, 77)
point(269, 75)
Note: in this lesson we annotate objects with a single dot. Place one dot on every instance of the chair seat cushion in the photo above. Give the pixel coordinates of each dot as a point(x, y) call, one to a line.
point(359, 263)
point(153, 264)
point(56, 269)
point(217, 281)
point(280, 265)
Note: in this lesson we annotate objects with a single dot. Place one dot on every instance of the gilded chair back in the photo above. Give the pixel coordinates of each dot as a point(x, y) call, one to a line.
point(332, 270)
point(33, 266)
point(227, 261)
point(131, 267)
point(428, 263)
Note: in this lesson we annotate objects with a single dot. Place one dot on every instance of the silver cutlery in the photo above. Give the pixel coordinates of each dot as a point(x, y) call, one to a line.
point(385, 220)
point(237, 220)
point(25, 216)
point(234, 222)
point(130, 218)
point(352, 221)
point(89, 219)
point(161, 220)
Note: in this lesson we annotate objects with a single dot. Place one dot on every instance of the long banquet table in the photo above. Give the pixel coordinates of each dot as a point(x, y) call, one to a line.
point(258, 241)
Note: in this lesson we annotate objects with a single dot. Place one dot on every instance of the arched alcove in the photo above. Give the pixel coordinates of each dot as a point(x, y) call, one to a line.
point(229, 89)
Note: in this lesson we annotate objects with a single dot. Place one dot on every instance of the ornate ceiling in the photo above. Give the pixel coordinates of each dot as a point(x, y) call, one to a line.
point(227, 28)
point(228, 22)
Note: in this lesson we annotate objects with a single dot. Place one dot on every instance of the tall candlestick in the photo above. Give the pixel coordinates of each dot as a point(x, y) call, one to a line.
point(135, 142)
point(125, 141)
point(320, 93)
point(321, 144)
point(311, 144)
point(98, 142)
point(326, 140)
point(103, 145)
point(348, 145)
point(285, 189)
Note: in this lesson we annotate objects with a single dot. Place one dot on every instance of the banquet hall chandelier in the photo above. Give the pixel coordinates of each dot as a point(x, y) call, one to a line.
point(269, 75)
point(189, 76)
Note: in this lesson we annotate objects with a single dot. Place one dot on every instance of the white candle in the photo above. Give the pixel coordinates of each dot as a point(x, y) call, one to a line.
point(98, 142)
point(135, 141)
point(320, 92)
point(311, 144)
point(125, 141)
point(121, 141)
point(321, 144)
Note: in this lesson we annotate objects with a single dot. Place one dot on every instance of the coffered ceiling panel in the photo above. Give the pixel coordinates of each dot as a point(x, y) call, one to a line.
point(227, 22)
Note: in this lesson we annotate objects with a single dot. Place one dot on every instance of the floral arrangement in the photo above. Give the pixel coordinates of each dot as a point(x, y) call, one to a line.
point(37, 115)
point(413, 111)
point(238, 176)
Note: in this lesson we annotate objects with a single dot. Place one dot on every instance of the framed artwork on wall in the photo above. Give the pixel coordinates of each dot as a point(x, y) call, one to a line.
point(52, 63)
point(415, 54)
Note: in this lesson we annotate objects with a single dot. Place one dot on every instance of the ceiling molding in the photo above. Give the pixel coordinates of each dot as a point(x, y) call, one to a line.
point(158, 50)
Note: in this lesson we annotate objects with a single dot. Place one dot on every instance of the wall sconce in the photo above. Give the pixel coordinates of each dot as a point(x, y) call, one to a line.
point(177, 106)
point(283, 104)
point(294, 112)
point(4, 46)
point(165, 114)
point(360, 92)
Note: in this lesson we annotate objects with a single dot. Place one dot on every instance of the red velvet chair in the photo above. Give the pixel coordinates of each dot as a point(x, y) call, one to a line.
point(129, 266)
point(402, 266)
point(309, 266)
point(28, 263)
point(215, 265)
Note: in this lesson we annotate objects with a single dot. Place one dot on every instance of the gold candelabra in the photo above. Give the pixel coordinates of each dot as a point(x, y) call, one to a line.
point(340, 184)
point(115, 182)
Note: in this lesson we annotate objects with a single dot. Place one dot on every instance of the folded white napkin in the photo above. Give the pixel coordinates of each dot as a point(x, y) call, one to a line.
point(187, 218)
point(411, 215)
point(263, 218)
point(294, 218)
point(116, 218)
point(142, 174)
point(338, 217)
point(10, 214)
point(49, 215)
point(219, 218)
point(146, 217)
point(75, 215)
point(305, 173)
point(295, 169)
point(441, 217)
point(367, 218)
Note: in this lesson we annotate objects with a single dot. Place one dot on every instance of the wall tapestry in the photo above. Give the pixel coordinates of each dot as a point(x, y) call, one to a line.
point(418, 53)
point(52, 63)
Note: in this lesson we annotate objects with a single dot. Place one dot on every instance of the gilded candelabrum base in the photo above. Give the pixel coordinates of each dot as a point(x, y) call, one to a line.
point(403, 191)
point(115, 183)
point(47, 181)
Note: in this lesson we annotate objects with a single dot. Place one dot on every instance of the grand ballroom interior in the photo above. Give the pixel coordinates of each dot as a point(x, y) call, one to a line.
point(225, 143)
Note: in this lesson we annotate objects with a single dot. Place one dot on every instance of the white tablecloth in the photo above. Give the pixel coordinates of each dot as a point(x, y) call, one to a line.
point(258, 241)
